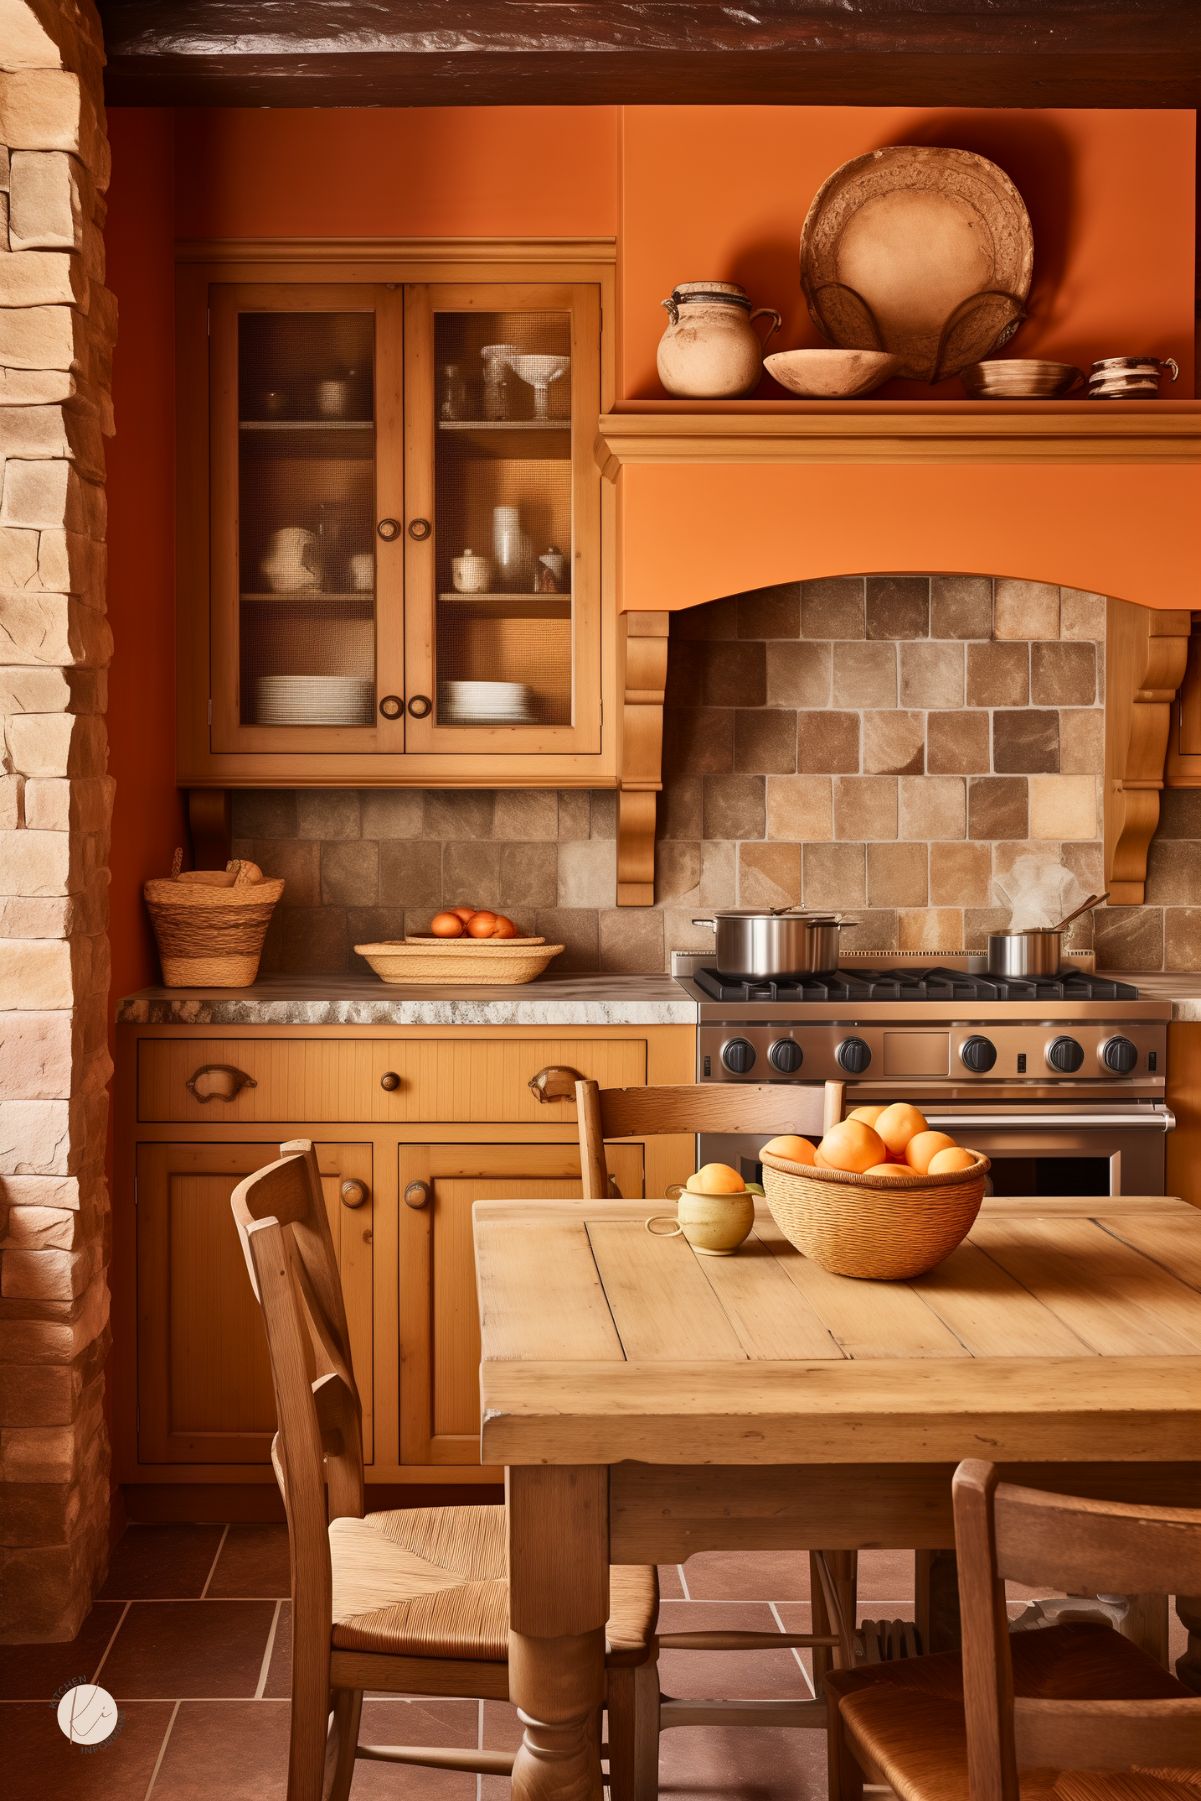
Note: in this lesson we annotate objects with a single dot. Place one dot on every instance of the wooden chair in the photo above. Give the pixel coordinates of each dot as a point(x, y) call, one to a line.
point(410, 1601)
point(762, 1110)
point(1061, 1713)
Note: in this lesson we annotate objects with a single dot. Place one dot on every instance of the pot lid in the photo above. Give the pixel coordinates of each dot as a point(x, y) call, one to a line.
point(816, 919)
point(727, 292)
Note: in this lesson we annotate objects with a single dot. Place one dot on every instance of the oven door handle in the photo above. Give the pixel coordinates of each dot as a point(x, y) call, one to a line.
point(1162, 1120)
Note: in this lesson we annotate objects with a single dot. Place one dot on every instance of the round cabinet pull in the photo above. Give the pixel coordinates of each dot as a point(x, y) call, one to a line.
point(557, 1083)
point(391, 706)
point(388, 530)
point(420, 706)
point(390, 1081)
point(218, 1082)
point(417, 1194)
point(353, 1193)
point(419, 529)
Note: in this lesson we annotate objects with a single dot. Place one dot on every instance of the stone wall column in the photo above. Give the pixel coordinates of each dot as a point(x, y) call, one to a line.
point(57, 323)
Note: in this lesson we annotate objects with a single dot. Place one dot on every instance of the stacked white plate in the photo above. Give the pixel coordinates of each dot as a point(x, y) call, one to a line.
point(313, 700)
point(487, 703)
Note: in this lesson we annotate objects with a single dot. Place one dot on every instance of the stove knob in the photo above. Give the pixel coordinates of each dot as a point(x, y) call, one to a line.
point(1065, 1054)
point(785, 1055)
point(853, 1056)
point(1119, 1055)
point(738, 1056)
point(978, 1054)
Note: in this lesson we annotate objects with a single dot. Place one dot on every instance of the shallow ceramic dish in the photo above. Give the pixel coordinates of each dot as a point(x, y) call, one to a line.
point(1020, 378)
point(482, 962)
point(920, 250)
point(831, 374)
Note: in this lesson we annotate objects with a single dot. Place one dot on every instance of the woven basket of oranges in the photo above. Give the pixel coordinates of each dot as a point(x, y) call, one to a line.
point(882, 1196)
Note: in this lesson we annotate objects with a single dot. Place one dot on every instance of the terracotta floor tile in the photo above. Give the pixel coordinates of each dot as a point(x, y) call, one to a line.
point(886, 1576)
point(723, 1675)
point(279, 1673)
point(748, 1576)
point(34, 1672)
point(173, 1649)
point(711, 1763)
point(253, 1562)
point(161, 1563)
point(39, 1764)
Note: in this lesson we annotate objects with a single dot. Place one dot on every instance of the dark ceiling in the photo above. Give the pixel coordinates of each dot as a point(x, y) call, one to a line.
point(493, 52)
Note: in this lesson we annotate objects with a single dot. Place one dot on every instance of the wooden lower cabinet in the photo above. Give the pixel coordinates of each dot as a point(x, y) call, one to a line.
point(204, 1387)
point(439, 1322)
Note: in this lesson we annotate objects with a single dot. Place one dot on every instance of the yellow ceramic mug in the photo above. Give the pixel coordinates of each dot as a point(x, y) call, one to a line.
point(714, 1224)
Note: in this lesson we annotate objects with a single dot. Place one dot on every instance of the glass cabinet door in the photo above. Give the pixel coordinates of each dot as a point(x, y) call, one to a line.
point(307, 563)
point(502, 550)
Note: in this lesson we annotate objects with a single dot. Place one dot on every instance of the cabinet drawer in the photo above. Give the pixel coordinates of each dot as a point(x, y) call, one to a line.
point(298, 1081)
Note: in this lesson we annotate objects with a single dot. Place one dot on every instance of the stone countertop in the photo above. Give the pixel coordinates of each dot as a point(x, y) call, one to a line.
point(1181, 987)
point(582, 1000)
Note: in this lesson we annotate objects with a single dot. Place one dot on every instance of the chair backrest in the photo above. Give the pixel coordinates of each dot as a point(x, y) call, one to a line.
point(764, 1108)
point(318, 1448)
point(1005, 1533)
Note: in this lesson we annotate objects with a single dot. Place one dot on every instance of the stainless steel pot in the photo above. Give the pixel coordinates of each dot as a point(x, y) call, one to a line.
point(1034, 953)
point(763, 946)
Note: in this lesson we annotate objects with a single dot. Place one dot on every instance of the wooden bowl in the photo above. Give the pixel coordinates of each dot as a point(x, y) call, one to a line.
point(483, 962)
point(831, 374)
point(884, 1228)
point(1020, 378)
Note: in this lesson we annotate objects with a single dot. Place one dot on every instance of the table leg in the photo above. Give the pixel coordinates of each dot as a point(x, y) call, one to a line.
point(558, 1606)
point(936, 1600)
point(1188, 1667)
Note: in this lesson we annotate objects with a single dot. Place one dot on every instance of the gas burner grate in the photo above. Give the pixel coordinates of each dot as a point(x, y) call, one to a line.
point(915, 985)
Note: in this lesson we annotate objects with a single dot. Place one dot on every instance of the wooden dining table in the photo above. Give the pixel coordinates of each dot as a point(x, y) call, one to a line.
point(648, 1403)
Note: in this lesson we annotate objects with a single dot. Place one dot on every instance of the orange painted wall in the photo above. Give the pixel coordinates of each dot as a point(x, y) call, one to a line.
point(141, 541)
point(722, 192)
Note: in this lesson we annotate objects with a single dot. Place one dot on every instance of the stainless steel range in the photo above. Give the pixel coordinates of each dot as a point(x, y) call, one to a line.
point(1061, 1083)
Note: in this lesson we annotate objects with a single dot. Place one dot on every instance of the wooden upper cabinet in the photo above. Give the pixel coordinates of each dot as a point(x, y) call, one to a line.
point(1184, 747)
point(390, 528)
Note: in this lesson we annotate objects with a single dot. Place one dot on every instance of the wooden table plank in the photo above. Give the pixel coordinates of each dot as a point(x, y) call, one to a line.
point(989, 1311)
point(662, 1306)
point(867, 1320)
point(540, 1292)
point(1177, 1252)
point(767, 1311)
point(1117, 1301)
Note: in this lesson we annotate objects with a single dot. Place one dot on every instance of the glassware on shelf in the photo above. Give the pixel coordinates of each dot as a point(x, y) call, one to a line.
point(551, 571)
point(538, 372)
point(453, 403)
point(292, 563)
point(273, 403)
point(496, 359)
point(333, 397)
point(362, 571)
point(470, 573)
point(511, 549)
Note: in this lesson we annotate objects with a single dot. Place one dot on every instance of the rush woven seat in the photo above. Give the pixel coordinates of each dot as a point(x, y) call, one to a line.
point(431, 1582)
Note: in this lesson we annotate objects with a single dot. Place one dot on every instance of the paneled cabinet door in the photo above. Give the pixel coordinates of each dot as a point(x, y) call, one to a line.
point(306, 563)
point(204, 1385)
point(439, 1322)
point(502, 555)
point(1184, 762)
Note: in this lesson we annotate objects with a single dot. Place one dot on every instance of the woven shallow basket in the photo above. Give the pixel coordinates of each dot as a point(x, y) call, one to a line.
point(481, 962)
point(210, 930)
point(873, 1226)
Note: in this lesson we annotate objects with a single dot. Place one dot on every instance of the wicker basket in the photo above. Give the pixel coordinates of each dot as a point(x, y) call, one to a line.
point(480, 962)
point(882, 1227)
point(210, 924)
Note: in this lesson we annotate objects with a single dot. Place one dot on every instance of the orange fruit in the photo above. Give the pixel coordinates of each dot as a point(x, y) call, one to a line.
point(797, 1150)
point(894, 1171)
point(715, 1178)
point(869, 1115)
point(851, 1146)
point(924, 1146)
point(898, 1124)
point(946, 1162)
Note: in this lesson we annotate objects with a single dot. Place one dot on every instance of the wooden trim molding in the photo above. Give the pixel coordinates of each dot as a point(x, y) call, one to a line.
point(1145, 659)
point(901, 432)
point(462, 252)
point(641, 755)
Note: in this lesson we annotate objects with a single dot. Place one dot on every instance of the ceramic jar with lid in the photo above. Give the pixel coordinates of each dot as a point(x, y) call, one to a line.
point(710, 349)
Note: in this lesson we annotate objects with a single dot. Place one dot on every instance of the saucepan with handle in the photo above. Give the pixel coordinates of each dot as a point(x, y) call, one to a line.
point(1037, 951)
point(774, 943)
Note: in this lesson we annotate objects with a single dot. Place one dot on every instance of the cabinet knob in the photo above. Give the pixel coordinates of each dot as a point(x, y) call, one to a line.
point(353, 1193)
point(420, 706)
point(556, 1083)
point(388, 530)
point(390, 1081)
point(218, 1082)
point(419, 529)
point(391, 706)
point(417, 1194)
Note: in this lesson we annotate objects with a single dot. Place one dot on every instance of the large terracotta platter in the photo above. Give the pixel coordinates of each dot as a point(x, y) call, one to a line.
point(921, 251)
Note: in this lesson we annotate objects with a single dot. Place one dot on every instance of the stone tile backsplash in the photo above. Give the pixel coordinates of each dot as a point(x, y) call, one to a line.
point(885, 745)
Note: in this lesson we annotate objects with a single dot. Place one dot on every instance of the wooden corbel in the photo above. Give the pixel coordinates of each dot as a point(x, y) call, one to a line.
point(1145, 656)
point(641, 755)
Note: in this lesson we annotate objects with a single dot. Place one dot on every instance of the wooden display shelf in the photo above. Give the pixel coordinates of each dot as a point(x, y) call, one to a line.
point(356, 597)
point(513, 606)
point(518, 439)
point(301, 425)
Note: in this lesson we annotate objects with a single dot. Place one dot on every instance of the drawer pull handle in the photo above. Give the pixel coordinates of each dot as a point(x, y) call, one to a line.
point(556, 1083)
point(354, 1193)
point(390, 1081)
point(218, 1082)
point(417, 1194)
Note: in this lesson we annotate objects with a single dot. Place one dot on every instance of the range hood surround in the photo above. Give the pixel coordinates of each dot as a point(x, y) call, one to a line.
point(719, 502)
